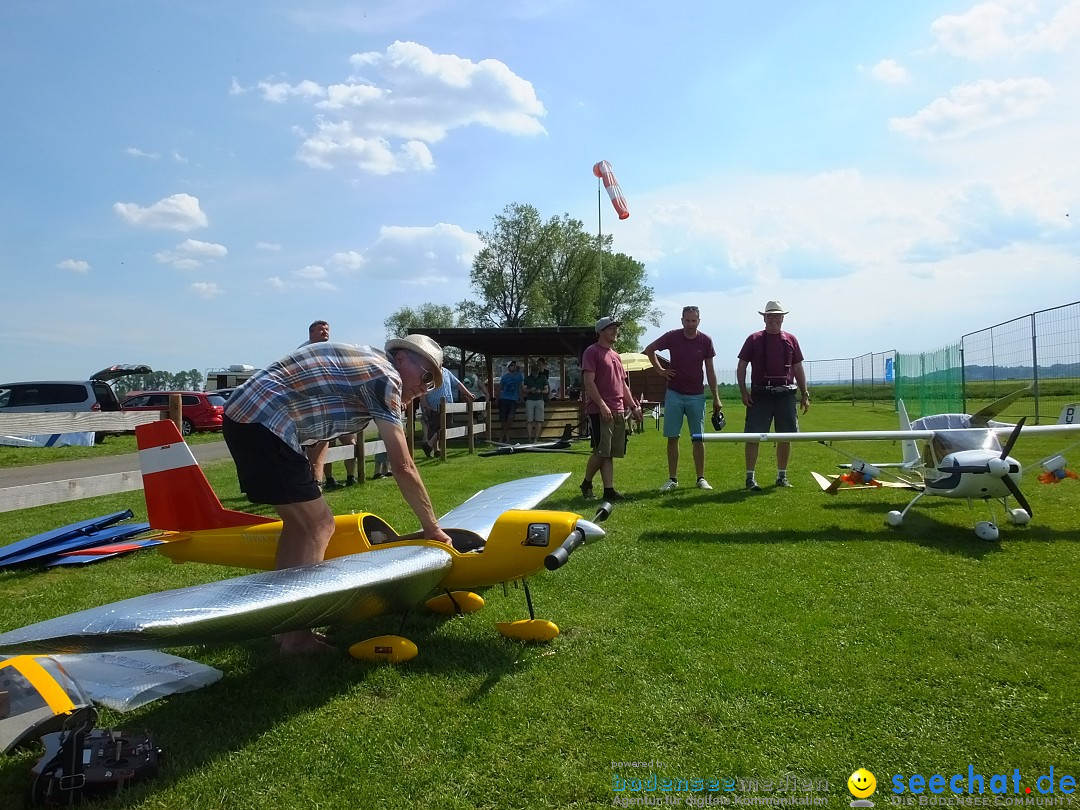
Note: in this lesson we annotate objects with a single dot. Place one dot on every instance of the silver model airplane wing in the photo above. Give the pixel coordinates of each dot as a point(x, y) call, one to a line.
point(878, 435)
point(822, 436)
point(478, 514)
point(349, 588)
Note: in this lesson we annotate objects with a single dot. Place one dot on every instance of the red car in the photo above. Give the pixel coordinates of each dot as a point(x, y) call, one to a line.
point(200, 410)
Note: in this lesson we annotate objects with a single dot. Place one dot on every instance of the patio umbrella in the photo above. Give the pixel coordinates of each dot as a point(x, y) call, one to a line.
point(635, 361)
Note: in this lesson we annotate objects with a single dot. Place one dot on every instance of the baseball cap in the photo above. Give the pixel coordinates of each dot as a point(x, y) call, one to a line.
point(604, 323)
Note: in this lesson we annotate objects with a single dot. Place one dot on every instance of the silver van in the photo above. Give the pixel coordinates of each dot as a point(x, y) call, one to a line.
point(66, 396)
point(47, 396)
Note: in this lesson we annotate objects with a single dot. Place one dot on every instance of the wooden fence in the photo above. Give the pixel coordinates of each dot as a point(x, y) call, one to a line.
point(48, 492)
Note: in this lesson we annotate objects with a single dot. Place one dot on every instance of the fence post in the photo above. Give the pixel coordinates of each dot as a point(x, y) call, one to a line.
point(1035, 365)
point(359, 454)
point(442, 429)
point(176, 411)
point(470, 422)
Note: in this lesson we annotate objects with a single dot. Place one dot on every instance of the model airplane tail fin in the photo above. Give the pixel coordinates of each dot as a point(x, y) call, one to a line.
point(178, 496)
point(911, 450)
point(1070, 414)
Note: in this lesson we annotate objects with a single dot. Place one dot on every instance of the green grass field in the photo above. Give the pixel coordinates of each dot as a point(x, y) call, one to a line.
point(712, 635)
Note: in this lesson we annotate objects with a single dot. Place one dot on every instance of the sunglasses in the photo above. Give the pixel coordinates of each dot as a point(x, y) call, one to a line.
point(428, 380)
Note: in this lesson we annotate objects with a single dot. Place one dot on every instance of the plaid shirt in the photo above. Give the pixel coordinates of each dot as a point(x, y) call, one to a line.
point(320, 391)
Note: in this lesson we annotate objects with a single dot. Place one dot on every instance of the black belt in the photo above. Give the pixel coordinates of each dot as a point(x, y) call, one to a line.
point(774, 389)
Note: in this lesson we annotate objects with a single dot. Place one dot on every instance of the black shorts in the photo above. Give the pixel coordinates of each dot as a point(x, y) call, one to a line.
point(268, 469)
point(772, 408)
point(506, 409)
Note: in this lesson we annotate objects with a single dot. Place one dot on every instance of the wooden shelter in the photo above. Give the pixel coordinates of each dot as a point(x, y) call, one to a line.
point(555, 343)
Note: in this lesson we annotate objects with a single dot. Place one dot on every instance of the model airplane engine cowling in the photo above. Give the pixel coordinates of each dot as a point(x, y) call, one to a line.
point(867, 472)
point(585, 532)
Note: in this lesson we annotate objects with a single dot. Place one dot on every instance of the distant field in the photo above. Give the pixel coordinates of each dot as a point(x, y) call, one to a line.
point(711, 636)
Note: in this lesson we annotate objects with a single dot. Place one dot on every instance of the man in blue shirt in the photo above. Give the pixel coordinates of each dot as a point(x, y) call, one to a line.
point(509, 393)
point(431, 402)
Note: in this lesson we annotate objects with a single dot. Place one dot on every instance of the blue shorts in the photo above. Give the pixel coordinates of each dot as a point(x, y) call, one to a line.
point(676, 406)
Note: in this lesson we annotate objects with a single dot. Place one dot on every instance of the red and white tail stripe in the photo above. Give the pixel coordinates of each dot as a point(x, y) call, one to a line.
point(178, 496)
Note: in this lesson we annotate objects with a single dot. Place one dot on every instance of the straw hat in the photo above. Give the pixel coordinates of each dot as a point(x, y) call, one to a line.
point(423, 346)
point(773, 308)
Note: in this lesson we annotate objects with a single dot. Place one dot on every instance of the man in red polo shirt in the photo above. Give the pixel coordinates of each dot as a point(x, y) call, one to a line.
point(776, 374)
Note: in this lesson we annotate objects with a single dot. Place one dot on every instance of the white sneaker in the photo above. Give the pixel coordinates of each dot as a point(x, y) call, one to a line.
point(669, 485)
point(703, 484)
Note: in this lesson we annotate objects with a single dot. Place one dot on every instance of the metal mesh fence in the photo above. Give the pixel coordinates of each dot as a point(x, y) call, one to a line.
point(1041, 350)
point(931, 382)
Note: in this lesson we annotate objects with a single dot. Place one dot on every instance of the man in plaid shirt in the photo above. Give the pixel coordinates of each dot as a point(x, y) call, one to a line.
point(317, 392)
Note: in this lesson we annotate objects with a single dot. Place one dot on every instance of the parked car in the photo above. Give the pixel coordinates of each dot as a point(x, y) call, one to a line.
point(67, 396)
point(225, 393)
point(199, 410)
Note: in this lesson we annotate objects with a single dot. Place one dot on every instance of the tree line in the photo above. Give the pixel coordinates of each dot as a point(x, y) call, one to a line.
point(160, 381)
point(532, 272)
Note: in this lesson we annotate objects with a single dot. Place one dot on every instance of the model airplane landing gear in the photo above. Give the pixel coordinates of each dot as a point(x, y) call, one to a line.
point(530, 629)
point(384, 650)
point(986, 530)
point(455, 603)
point(895, 518)
point(1019, 517)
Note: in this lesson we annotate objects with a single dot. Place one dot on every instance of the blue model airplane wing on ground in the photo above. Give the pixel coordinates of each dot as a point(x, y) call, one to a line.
point(46, 539)
point(107, 535)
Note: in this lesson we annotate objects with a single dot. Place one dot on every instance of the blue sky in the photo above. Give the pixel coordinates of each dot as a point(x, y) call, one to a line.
point(190, 184)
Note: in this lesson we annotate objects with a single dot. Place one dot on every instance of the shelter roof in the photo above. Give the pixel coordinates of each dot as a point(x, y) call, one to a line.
point(531, 341)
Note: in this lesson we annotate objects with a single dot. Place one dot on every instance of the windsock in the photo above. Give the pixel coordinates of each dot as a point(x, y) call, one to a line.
point(604, 171)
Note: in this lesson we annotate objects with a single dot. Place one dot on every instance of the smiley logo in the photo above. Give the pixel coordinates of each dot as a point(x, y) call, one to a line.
point(862, 784)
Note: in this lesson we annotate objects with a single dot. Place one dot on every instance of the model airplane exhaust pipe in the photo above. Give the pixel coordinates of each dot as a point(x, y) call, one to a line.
point(586, 531)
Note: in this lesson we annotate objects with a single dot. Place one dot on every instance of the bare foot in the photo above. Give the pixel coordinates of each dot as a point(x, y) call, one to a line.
point(303, 642)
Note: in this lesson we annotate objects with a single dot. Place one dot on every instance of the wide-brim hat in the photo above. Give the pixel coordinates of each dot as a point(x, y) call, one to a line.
point(423, 346)
point(773, 308)
point(604, 323)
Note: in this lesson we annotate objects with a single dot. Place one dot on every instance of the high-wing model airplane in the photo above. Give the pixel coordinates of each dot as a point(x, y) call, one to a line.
point(369, 569)
point(952, 455)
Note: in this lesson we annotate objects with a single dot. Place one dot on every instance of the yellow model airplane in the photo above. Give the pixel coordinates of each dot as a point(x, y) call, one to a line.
point(369, 569)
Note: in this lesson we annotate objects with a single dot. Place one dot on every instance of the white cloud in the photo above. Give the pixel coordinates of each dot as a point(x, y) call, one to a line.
point(336, 144)
point(74, 265)
point(191, 253)
point(347, 262)
point(206, 289)
point(309, 277)
point(280, 92)
point(890, 71)
point(384, 122)
point(423, 255)
point(267, 246)
point(1002, 27)
point(139, 153)
point(972, 107)
point(179, 212)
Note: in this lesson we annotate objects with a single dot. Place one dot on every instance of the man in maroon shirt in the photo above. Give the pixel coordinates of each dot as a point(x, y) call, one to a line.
point(689, 350)
point(776, 373)
point(607, 399)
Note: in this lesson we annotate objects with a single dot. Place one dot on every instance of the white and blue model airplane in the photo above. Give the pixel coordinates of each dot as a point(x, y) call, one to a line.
point(954, 455)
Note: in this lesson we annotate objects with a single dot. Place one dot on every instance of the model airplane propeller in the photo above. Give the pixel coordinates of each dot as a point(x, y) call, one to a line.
point(960, 457)
point(369, 568)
